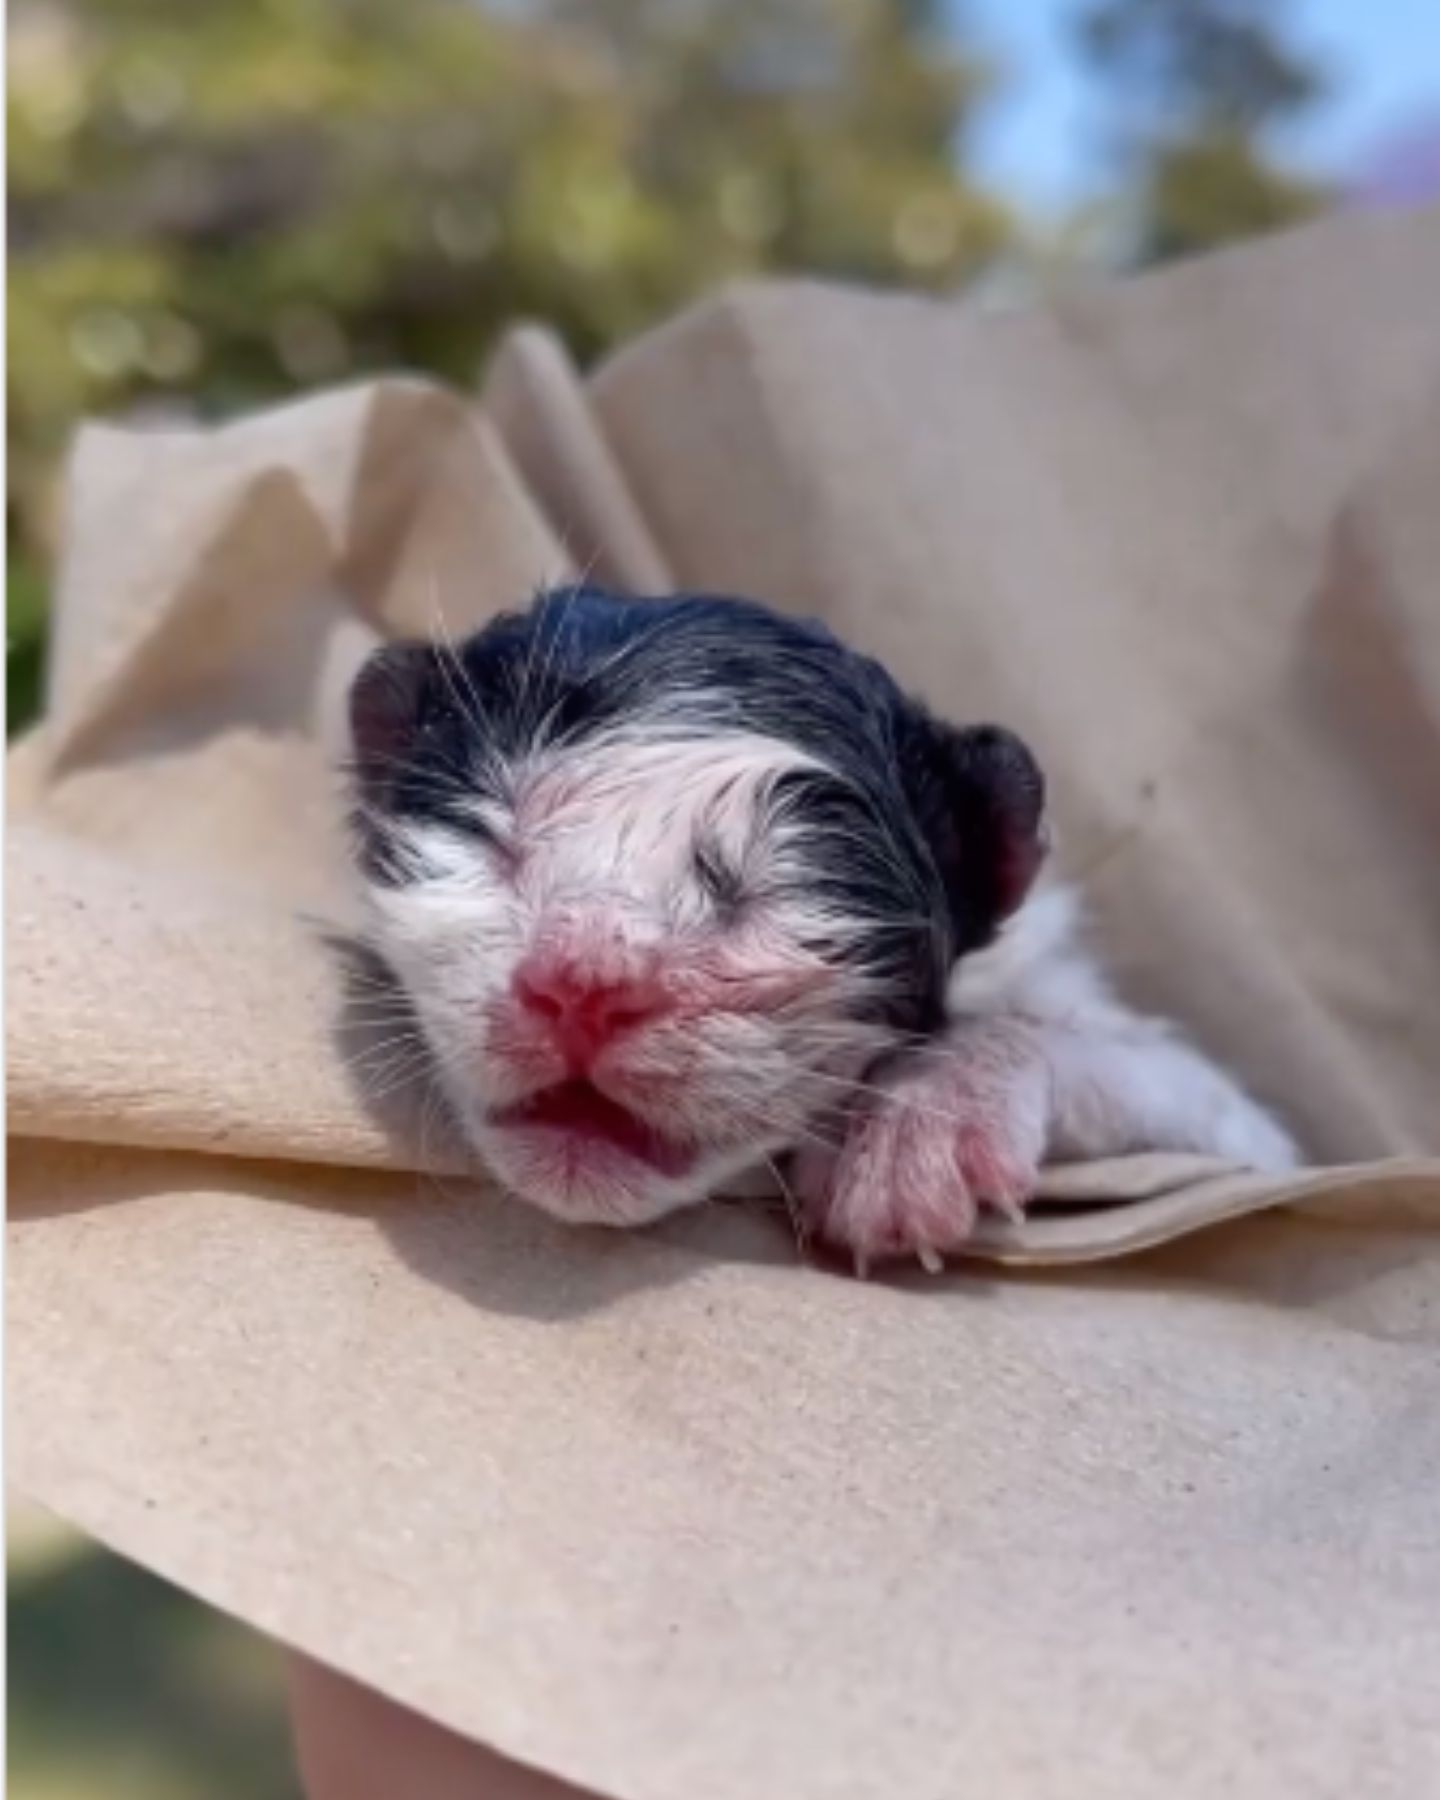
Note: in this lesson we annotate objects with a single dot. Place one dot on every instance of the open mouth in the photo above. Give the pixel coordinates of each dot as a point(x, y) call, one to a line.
point(587, 1117)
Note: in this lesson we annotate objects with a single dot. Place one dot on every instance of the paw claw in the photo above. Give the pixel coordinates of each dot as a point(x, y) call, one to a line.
point(1009, 1206)
point(940, 1139)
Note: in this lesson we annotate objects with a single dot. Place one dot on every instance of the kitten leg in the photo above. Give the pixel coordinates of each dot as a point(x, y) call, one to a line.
point(967, 1123)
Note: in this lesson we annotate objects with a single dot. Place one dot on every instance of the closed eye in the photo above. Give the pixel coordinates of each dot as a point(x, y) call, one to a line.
point(487, 828)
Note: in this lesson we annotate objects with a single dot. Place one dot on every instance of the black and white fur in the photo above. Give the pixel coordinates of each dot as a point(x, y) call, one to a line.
point(679, 887)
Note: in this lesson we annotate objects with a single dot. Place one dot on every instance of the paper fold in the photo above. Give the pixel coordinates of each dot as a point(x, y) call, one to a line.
point(1149, 1510)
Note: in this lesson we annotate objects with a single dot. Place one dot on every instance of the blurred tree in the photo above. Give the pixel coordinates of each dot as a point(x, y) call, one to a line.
point(1200, 86)
point(122, 1686)
point(231, 200)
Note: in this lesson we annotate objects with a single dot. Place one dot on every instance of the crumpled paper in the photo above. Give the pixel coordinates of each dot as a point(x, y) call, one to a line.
point(673, 1513)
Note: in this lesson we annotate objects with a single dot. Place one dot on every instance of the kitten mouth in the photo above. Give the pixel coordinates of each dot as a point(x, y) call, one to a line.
point(578, 1113)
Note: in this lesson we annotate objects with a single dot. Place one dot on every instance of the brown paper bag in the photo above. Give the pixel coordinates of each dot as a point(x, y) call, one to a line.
point(671, 1515)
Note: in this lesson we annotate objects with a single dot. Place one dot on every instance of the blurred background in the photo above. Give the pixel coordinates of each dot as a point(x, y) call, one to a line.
point(214, 203)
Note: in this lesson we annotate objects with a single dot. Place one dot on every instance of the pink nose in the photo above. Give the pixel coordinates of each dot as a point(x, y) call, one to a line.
point(583, 1008)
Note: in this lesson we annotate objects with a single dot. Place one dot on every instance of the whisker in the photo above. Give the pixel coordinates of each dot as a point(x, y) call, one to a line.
point(407, 1079)
point(552, 653)
point(406, 1045)
point(793, 1211)
point(871, 1089)
point(407, 1038)
point(791, 1131)
point(446, 644)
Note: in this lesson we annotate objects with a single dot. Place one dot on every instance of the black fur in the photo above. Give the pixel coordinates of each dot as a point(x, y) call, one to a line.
point(928, 832)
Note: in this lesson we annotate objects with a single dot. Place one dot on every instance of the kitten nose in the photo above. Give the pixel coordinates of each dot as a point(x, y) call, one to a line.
point(584, 1007)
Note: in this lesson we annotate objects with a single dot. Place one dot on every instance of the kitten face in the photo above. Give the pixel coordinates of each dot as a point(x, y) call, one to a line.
point(660, 879)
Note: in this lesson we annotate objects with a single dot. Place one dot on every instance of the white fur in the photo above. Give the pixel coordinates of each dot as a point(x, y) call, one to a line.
point(1039, 1062)
point(593, 861)
point(596, 848)
point(1118, 1081)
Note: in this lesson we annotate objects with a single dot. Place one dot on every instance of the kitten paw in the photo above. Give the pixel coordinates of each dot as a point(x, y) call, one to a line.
point(943, 1135)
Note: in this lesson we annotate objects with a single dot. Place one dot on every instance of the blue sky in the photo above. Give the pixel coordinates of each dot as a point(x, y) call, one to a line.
point(1038, 142)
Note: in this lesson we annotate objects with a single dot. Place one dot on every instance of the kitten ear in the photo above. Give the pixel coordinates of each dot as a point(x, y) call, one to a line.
point(985, 818)
point(385, 704)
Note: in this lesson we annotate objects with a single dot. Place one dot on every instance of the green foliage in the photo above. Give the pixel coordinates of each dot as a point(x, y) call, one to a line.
point(236, 199)
point(1200, 86)
point(230, 201)
point(24, 642)
point(221, 203)
point(1215, 191)
point(121, 1686)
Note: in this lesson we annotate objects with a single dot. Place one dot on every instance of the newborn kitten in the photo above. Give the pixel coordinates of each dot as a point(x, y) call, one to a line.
point(679, 887)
